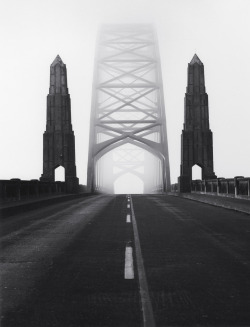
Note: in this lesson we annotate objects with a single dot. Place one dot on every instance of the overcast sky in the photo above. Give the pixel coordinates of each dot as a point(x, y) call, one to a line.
point(33, 32)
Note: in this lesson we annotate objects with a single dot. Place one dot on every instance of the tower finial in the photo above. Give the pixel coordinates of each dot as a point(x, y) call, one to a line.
point(57, 60)
point(58, 77)
point(195, 60)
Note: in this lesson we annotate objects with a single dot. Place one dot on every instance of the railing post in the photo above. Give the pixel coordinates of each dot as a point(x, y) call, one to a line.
point(28, 190)
point(219, 185)
point(50, 188)
point(236, 185)
point(18, 191)
point(16, 184)
point(200, 186)
point(2, 190)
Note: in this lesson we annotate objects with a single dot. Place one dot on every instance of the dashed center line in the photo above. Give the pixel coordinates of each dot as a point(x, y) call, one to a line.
point(147, 311)
point(129, 264)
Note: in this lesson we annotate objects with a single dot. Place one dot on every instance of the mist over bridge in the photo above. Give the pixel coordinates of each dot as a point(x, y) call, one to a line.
point(114, 260)
point(128, 134)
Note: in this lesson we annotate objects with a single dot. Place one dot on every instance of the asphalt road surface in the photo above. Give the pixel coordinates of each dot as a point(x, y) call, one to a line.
point(145, 260)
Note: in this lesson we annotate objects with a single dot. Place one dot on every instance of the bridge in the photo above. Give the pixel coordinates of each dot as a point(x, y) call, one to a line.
point(101, 255)
point(128, 126)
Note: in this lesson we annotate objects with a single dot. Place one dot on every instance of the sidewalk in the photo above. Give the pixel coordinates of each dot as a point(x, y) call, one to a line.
point(241, 205)
point(13, 207)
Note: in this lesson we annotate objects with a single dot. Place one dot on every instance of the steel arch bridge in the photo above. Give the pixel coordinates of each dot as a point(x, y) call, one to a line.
point(128, 125)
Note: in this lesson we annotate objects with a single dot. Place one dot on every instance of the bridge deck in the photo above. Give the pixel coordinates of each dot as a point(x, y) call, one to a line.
point(64, 265)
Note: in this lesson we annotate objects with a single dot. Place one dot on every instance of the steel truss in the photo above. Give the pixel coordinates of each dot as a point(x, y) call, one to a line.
point(128, 107)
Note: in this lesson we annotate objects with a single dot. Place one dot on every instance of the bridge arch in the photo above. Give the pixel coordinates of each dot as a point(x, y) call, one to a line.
point(123, 141)
point(128, 157)
point(127, 104)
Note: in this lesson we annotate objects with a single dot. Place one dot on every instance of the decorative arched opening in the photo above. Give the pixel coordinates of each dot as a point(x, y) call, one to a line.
point(196, 172)
point(60, 174)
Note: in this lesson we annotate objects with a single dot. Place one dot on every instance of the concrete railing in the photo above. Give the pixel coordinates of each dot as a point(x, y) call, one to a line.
point(235, 187)
point(16, 189)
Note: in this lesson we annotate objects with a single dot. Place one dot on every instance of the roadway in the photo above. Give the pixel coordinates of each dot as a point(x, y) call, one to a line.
point(152, 260)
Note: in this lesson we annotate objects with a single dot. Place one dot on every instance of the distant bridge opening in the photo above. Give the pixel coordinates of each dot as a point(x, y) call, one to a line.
point(128, 184)
point(60, 174)
point(196, 172)
point(129, 169)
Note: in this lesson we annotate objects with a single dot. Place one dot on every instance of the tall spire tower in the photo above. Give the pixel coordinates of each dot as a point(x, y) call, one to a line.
point(59, 139)
point(197, 138)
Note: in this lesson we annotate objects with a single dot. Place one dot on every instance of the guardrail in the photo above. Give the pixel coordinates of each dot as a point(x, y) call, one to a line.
point(16, 189)
point(238, 186)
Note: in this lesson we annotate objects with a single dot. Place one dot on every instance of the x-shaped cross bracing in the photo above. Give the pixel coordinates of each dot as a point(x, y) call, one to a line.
point(128, 104)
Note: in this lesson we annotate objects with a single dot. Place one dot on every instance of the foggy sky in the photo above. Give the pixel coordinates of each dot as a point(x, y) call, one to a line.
point(33, 32)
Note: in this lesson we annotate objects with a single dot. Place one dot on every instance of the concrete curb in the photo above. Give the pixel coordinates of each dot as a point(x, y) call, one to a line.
point(216, 201)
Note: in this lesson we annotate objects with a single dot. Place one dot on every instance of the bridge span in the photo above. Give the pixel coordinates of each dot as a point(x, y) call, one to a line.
point(117, 260)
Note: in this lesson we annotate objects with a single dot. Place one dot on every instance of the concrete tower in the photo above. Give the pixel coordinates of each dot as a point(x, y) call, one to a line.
point(197, 138)
point(59, 139)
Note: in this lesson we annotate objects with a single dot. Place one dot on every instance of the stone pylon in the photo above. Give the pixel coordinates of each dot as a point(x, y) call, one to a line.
point(59, 139)
point(197, 138)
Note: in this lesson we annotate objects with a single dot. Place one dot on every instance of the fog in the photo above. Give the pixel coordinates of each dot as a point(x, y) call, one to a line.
point(33, 32)
point(128, 169)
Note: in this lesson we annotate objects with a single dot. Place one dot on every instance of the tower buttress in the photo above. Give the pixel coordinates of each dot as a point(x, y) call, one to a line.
point(59, 139)
point(197, 138)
